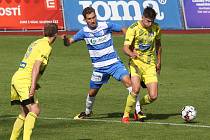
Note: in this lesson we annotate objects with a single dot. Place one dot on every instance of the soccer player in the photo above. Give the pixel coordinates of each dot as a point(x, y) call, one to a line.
point(143, 46)
point(24, 82)
point(105, 61)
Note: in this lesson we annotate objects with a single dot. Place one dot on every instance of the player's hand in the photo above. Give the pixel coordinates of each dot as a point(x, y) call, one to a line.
point(158, 68)
point(134, 54)
point(65, 40)
point(32, 92)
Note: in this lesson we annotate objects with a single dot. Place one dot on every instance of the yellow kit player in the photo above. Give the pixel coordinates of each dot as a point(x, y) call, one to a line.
point(24, 82)
point(143, 46)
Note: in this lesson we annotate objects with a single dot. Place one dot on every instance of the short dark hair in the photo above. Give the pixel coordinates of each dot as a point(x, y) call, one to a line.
point(150, 13)
point(87, 10)
point(50, 29)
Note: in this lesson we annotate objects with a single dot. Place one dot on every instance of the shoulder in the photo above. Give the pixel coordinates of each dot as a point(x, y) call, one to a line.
point(104, 25)
point(43, 45)
point(134, 25)
point(156, 26)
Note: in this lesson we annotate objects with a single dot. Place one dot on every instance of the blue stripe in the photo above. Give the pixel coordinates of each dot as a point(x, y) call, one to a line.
point(104, 58)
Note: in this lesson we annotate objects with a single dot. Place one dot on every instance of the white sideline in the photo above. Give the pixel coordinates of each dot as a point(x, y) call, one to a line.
point(115, 121)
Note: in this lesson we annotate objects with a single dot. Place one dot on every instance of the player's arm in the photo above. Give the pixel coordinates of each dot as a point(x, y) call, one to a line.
point(128, 44)
point(67, 41)
point(158, 53)
point(35, 74)
point(124, 30)
point(129, 52)
point(116, 27)
point(77, 37)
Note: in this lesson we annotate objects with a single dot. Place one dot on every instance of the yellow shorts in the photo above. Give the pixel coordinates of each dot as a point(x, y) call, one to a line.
point(20, 94)
point(146, 72)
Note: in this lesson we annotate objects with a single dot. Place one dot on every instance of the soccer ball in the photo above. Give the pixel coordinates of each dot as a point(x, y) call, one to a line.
point(188, 113)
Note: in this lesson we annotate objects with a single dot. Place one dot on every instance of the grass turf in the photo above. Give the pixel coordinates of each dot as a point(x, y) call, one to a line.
point(184, 80)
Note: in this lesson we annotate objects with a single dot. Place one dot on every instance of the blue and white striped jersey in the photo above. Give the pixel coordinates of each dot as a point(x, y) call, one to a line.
point(99, 43)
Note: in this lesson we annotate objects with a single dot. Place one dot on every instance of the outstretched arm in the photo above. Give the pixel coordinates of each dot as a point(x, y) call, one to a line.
point(124, 30)
point(67, 41)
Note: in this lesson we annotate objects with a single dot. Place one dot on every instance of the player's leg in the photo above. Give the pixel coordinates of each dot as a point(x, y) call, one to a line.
point(89, 105)
point(90, 100)
point(120, 73)
point(138, 105)
point(98, 78)
point(136, 74)
point(152, 89)
point(19, 123)
point(19, 95)
point(138, 114)
point(126, 80)
point(34, 111)
point(151, 81)
point(30, 104)
point(131, 99)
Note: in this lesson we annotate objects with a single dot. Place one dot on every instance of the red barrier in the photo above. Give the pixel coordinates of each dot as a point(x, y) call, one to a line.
point(29, 14)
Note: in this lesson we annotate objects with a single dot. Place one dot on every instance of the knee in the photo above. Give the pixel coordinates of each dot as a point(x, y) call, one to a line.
point(153, 97)
point(126, 81)
point(36, 110)
point(135, 90)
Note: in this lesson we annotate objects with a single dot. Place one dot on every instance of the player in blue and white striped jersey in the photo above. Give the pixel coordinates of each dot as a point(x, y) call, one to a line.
point(105, 61)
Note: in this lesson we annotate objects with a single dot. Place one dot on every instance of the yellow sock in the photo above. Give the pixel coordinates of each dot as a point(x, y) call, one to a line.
point(17, 128)
point(146, 100)
point(29, 125)
point(131, 101)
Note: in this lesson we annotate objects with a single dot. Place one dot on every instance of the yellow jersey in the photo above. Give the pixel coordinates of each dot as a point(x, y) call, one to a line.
point(143, 40)
point(38, 50)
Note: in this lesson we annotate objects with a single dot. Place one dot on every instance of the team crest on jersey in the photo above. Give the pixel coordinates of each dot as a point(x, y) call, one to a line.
point(151, 33)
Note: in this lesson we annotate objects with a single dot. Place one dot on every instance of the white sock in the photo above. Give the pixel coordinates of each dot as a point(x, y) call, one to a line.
point(89, 104)
point(129, 89)
point(138, 106)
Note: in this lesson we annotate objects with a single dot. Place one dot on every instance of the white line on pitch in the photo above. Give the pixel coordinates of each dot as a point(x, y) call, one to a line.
point(115, 121)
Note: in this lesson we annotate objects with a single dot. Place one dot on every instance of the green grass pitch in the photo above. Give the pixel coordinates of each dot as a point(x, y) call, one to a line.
point(184, 80)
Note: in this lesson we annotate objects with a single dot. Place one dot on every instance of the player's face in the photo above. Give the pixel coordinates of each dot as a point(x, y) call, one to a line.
point(147, 22)
point(91, 20)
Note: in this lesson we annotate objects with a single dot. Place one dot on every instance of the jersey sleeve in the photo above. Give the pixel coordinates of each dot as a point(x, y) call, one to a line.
point(78, 36)
point(129, 36)
point(114, 27)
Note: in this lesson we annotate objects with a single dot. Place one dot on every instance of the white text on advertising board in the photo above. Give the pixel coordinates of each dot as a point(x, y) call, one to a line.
point(112, 13)
point(10, 11)
point(50, 4)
